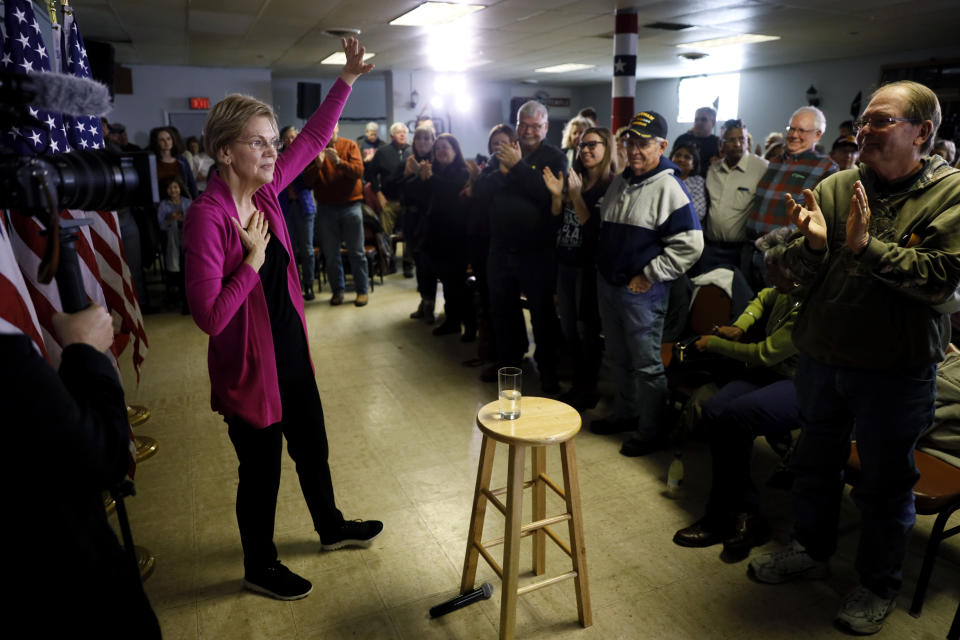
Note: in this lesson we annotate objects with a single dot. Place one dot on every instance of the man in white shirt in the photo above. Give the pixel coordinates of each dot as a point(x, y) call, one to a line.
point(731, 185)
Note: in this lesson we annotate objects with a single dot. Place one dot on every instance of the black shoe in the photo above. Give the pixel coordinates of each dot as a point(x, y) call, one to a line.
point(704, 532)
point(446, 329)
point(610, 426)
point(489, 374)
point(308, 294)
point(352, 533)
point(581, 399)
point(277, 582)
point(749, 530)
point(416, 315)
point(634, 448)
point(408, 273)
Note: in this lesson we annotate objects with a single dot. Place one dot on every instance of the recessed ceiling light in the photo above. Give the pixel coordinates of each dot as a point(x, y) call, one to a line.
point(341, 58)
point(744, 38)
point(564, 68)
point(434, 13)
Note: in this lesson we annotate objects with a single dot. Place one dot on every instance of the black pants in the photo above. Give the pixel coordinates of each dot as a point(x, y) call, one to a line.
point(458, 302)
point(259, 450)
point(534, 274)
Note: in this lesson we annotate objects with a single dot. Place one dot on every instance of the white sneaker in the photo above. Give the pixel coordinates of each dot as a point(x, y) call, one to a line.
point(863, 611)
point(789, 564)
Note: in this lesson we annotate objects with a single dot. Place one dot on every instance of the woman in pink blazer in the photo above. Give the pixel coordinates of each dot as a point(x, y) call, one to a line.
point(244, 291)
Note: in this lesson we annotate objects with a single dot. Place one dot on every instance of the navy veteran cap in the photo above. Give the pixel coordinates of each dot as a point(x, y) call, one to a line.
point(648, 124)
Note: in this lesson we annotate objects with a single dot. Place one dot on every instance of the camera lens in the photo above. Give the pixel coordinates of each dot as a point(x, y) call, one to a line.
point(101, 180)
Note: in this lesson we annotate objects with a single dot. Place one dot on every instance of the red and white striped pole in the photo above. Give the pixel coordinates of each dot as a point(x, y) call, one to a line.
point(624, 67)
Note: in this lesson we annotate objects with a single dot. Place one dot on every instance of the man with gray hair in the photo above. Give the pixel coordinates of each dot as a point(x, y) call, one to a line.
point(384, 173)
point(878, 249)
point(523, 238)
point(369, 142)
point(800, 168)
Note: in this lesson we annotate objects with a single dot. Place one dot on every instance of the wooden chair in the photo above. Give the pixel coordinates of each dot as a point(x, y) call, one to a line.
point(937, 492)
point(542, 422)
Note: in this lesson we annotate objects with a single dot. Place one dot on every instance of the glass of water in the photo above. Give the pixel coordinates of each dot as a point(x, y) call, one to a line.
point(510, 379)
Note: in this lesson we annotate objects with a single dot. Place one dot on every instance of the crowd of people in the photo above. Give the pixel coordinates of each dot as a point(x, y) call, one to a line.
point(842, 267)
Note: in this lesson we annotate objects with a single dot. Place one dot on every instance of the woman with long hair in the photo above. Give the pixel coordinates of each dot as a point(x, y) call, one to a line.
point(577, 303)
point(445, 240)
point(415, 195)
point(243, 290)
point(166, 145)
point(571, 136)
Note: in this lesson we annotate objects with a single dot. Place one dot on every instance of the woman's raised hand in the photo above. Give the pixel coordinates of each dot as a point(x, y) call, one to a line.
point(355, 66)
point(254, 239)
point(574, 183)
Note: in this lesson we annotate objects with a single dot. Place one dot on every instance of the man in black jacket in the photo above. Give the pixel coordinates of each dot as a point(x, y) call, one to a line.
point(68, 440)
point(523, 236)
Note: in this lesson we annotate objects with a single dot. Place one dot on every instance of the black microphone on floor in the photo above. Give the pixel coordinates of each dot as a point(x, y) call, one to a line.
point(482, 593)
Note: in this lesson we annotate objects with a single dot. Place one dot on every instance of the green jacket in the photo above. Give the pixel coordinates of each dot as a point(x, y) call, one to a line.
point(776, 351)
point(886, 308)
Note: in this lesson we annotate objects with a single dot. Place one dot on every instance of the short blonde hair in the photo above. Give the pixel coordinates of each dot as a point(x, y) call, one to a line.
point(229, 117)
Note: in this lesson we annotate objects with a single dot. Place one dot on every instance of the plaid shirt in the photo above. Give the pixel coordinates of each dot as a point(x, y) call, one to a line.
point(792, 175)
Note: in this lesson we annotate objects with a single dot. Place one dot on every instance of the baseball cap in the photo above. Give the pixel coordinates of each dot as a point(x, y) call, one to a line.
point(116, 127)
point(844, 141)
point(648, 124)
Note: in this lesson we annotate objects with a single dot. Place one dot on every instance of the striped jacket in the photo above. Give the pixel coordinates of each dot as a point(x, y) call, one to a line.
point(648, 225)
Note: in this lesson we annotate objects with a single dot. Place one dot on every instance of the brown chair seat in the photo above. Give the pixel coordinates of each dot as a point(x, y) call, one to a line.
point(938, 486)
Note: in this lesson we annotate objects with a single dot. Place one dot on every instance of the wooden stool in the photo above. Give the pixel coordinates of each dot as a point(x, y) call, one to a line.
point(542, 422)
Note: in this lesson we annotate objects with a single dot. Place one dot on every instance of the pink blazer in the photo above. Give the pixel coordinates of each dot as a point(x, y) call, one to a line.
point(226, 296)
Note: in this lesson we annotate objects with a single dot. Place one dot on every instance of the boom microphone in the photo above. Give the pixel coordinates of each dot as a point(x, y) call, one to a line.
point(482, 593)
point(58, 92)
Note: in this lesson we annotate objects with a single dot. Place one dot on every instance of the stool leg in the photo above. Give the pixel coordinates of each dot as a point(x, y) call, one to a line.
point(571, 481)
point(475, 536)
point(511, 549)
point(539, 460)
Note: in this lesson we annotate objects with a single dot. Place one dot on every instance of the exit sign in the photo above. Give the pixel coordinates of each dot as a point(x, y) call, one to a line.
point(199, 103)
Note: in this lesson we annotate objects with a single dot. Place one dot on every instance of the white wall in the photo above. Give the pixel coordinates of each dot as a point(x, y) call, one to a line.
point(158, 89)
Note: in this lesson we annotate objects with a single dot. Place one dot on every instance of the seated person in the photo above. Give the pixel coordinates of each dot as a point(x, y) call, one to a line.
point(759, 400)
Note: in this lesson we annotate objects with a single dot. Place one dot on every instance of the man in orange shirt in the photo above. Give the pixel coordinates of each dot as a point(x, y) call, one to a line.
point(335, 177)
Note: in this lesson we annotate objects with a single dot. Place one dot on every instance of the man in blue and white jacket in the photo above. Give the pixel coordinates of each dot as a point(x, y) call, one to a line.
point(649, 236)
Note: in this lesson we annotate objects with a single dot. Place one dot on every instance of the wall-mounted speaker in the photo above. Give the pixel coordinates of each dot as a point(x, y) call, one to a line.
point(309, 95)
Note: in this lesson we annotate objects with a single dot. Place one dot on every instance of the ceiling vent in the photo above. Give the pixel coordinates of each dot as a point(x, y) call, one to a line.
point(668, 26)
point(692, 55)
point(340, 32)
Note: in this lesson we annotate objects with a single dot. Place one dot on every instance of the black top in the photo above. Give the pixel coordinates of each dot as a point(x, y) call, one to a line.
point(415, 198)
point(518, 202)
point(385, 171)
point(709, 148)
point(289, 341)
point(446, 235)
point(576, 243)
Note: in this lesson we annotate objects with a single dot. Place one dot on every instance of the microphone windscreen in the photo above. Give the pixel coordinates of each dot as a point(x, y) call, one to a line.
point(71, 95)
point(487, 589)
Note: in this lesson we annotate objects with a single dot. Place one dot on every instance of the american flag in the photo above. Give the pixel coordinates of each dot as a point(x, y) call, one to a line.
point(106, 277)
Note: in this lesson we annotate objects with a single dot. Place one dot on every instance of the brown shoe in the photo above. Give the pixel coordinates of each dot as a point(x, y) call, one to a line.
point(361, 300)
point(336, 299)
point(749, 530)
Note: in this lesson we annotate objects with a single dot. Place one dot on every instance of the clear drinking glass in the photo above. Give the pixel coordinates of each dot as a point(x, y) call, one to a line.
point(509, 379)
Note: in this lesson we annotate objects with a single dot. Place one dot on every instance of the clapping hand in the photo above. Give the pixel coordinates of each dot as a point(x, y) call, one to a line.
point(411, 166)
point(426, 170)
point(553, 181)
point(858, 220)
point(574, 183)
point(509, 155)
point(810, 222)
point(355, 66)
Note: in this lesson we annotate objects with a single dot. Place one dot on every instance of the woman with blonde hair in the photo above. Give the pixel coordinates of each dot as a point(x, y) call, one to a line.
point(571, 136)
point(243, 290)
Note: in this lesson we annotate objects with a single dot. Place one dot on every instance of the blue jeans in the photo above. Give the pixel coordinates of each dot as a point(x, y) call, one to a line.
point(740, 412)
point(343, 224)
point(633, 326)
point(891, 409)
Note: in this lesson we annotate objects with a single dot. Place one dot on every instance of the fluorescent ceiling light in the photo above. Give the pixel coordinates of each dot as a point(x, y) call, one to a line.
point(744, 38)
point(341, 58)
point(564, 68)
point(433, 13)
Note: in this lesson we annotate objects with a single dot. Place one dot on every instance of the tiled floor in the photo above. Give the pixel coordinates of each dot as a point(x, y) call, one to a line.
point(400, 411)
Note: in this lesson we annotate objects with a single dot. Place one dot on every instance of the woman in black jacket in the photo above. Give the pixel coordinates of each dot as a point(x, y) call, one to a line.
point(415, 195)
point(445, 237)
